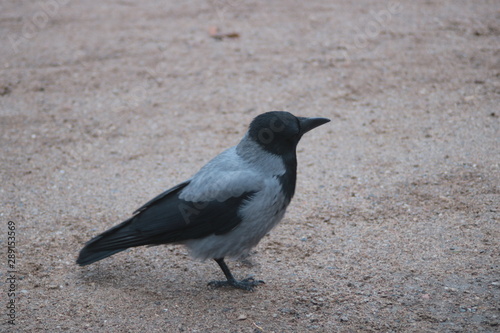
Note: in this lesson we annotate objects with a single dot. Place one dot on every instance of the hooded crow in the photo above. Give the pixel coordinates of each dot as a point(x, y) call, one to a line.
point(226, 208)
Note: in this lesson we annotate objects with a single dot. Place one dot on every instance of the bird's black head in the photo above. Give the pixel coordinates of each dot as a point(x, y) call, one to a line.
point(279, 132)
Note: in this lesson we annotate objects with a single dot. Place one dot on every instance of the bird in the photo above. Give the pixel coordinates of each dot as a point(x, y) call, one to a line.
point(227, 207)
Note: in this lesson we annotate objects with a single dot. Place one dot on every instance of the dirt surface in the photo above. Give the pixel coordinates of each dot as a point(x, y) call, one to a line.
point(395, 222)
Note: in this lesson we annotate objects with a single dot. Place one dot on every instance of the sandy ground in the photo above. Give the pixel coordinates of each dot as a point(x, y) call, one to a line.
point(395, 223)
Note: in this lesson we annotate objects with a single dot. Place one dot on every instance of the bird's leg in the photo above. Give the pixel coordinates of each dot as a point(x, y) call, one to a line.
point(245, 284)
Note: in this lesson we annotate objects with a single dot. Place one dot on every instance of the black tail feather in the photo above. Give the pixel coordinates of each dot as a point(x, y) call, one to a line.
point(88, 257)
point(105, 244)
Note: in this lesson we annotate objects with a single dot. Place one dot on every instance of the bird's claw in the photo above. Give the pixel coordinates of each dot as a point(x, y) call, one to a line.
point(247, 284)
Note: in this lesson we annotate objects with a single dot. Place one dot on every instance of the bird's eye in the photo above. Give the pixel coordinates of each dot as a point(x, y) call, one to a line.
point(265, 136)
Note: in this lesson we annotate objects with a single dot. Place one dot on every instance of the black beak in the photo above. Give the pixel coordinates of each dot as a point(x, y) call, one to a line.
point(307, 124)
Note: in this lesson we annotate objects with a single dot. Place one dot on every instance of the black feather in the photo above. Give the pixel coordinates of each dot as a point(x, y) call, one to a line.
point(166, 219)
point(289, 179)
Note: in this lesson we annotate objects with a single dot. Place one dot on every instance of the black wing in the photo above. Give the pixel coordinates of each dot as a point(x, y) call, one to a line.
point(166, 219)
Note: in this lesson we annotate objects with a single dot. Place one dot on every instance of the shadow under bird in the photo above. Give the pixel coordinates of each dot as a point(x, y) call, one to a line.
point(226, 208)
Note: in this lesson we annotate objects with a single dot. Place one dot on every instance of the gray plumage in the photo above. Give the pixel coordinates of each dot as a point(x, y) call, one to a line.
point(240, 169)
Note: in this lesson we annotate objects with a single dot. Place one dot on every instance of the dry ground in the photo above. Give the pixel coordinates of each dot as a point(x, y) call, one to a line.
point(395, 224)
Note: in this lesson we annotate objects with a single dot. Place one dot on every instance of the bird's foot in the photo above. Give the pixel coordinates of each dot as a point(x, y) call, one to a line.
point(247, 284)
